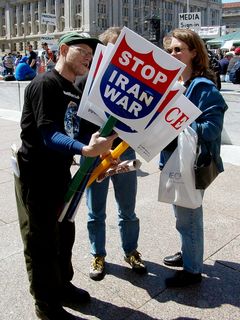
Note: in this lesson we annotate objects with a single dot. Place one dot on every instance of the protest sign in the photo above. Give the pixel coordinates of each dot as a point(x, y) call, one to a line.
point(135, 79)
point(173, 120)
point(159, 130)
point(86, 109)
point(133, 85)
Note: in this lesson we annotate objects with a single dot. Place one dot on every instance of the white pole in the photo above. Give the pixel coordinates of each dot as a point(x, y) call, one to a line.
point(188, 10)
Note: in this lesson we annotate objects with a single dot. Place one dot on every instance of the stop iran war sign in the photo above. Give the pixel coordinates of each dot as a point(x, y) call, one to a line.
point(134, 80)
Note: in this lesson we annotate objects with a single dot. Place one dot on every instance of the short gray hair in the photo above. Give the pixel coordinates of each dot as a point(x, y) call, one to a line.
point(108, 34)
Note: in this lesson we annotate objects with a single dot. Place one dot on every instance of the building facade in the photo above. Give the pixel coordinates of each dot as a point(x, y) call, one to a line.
point(231, 16)
point(21, 21)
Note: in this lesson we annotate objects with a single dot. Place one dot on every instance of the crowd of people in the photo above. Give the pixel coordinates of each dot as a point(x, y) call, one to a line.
point(222, 62)
point(26, 67)
point(229, 62)
point(46, 155)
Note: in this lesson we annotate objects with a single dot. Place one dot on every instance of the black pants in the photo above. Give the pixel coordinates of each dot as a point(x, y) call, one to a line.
point(47, 243)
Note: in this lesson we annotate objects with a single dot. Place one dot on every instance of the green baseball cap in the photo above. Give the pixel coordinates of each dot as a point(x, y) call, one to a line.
point(76, 38)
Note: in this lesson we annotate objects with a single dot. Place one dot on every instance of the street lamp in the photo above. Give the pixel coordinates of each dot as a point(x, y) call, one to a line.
point(154, 28)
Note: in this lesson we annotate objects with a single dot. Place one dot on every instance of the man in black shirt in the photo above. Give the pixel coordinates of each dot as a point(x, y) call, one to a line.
point(44, 159)
point(32, 59)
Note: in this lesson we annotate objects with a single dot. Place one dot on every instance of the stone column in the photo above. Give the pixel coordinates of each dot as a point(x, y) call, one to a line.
point(57, 12)
point(7, 20)
point(18, 20)
point(25, 19)
point(1, 23)
point(39, 16)
point(32, 18)
point(67, 15)
point(48, 10)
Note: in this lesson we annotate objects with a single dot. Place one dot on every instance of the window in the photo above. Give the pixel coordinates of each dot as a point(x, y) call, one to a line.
point(136, 13)
point(125, 12)
point(78, 8)
point(101, 8)
point(78, 23)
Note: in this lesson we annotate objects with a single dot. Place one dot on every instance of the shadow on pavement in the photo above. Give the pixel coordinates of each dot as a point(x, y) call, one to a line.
point(108, 311)
point(220, 286)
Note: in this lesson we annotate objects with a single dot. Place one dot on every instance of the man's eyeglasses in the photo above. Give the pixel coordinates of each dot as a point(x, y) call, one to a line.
point(175, 49)
point(84, 53)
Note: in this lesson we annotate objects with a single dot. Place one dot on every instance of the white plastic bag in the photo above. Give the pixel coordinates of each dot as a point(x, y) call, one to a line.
point(177, 179)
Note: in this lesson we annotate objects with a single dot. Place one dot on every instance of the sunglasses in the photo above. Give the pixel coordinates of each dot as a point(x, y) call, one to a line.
point(84, 53)
point(176, 49)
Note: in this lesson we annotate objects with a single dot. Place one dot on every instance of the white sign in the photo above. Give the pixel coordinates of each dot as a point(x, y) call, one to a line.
point(135, 80)
point(173, 114)
point(227, 45)
point(48, 18)
point(189, 20)
point(210, 32)
point(48, 39)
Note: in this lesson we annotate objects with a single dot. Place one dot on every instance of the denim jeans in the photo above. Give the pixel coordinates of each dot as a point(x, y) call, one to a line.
point(189, 223)
point(125, 189)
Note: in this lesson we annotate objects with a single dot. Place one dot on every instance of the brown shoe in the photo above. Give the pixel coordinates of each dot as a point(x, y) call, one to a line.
point(135, 261)
point(97, 268)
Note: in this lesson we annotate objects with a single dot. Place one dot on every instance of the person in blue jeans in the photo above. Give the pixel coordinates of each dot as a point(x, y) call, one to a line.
point(199, 80)
point(125, 190)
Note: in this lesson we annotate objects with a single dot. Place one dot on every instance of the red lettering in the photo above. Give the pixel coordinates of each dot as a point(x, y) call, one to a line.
point(178, 123)
point(172, 112)
point(176, 117)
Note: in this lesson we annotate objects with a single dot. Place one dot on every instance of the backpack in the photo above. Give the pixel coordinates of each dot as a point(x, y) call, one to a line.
point(234, 74)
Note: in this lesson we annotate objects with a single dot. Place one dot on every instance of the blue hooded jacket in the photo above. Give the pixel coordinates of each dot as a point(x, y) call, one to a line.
point(23, 71)
point(204, 94)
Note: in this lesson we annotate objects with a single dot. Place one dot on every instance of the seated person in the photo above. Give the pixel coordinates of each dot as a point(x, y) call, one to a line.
point(23, 71)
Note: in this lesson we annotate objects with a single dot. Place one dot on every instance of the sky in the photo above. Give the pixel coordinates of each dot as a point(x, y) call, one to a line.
point(227, 1)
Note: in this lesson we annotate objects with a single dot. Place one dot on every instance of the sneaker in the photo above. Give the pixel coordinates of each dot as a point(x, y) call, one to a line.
point(52, 312)
point(74, 295)
point(97, 268)
point(183, 279)
point(135, 261)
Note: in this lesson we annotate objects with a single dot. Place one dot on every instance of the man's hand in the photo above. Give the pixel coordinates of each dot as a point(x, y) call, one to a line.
point(98, 145)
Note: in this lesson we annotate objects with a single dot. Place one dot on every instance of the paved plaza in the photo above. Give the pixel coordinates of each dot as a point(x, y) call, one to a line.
point(123, 294)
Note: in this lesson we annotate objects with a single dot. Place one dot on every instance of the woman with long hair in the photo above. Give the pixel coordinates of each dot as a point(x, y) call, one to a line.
point(186, 46)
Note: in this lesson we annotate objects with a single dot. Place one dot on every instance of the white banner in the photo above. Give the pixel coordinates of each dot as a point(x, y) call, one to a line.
point(48, 18)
